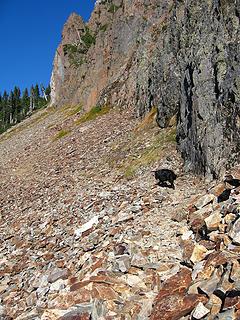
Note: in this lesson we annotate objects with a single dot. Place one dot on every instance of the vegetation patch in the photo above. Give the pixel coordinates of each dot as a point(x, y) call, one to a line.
point(148, 121)
point(94, 113)
point(74, 110)
point(113, 8)
point(151, 153)
point(103, 27)
point(76, 52)
point(62, 133)
point(141, 149)
point(88, 38)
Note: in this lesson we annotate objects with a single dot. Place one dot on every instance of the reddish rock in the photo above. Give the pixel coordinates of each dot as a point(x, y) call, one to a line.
point(79, 285)
point(48, 256)
point(216, 259)
point(72, 280)
point(103, 279)
point(197, 224)
point(175, 306)
point(210, 245)
point(187, 247)
point(66, 300)
point(113, 231)
point(75, 316)
point(218, 189)
point(104, 293)
point(237, 314)
point(231, 302)
point(98, 264)
point(82, 296)
point(177, 284)
point(191, 209)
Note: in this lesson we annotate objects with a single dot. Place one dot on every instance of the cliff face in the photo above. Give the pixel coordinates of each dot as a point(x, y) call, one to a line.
point(180, 56)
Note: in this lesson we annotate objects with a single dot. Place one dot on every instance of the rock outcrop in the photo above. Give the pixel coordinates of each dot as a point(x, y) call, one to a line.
point(179, 56)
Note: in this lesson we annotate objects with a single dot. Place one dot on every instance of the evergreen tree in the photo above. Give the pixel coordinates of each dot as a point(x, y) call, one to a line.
point(25, 102)
point(17, 104)
point(4, 112)
point(11, 107)
point(36, 95)
point(5, 97)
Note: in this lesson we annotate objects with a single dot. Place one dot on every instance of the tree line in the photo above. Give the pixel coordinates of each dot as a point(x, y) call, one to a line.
point(16, 105)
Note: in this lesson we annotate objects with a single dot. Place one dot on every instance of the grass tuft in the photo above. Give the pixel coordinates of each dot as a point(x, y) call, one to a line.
point(94, 113)
point(75, 110)
point(62, 133)
point(148, 121)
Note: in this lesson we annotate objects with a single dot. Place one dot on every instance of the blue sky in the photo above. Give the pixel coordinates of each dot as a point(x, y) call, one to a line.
point(30, 32)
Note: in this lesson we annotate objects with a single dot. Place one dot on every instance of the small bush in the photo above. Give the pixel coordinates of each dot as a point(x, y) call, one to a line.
point(88, 39)
point(113, 8)
point(103, 28)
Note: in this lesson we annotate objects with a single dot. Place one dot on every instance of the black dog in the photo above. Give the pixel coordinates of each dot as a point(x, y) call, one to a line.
point(232, 181)
point(165, 175)
point(224, 196)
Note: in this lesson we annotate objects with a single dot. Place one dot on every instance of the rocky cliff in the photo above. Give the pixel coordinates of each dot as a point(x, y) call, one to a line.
point(179, 56)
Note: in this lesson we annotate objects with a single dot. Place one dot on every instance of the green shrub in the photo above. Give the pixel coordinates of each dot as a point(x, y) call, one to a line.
point(88, 39)
point(103, 28)
point(113, 8)
point(76, 52)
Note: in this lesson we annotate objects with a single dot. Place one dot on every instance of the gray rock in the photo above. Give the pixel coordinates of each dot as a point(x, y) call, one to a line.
point(235, 232)
point(60, 274)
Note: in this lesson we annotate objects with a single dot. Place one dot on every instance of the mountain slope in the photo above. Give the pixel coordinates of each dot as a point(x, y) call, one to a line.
point(63, 172)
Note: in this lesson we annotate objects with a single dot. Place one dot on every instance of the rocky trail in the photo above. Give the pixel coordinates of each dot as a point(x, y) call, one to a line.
point(85, 231)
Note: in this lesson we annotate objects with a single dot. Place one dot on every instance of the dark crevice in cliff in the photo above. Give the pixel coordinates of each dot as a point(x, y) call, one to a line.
point(216, 85)
point(188, 87)
point(237, 13)
point(217, 13)
point(150, 95)
point(201, 160)
point(231, 97)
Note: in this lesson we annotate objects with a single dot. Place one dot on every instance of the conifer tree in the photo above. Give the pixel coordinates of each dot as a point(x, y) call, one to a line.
point(17, 105)
point(25, 102)
point(36, 95)
point(4, 113)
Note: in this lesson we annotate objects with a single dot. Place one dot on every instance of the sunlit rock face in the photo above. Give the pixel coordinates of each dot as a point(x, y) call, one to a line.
point(179, 56)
